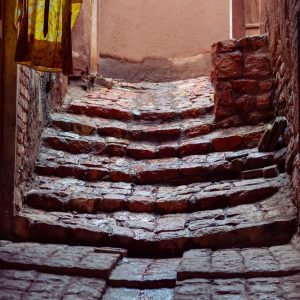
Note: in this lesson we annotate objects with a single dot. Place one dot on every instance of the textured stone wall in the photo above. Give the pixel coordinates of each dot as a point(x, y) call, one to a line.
point(281, 19)
point(242, 78)
point(38, 93)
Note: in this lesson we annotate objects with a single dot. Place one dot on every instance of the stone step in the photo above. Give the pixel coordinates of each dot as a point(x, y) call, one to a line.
point(138, 294)
point(60, 259)
point(65, 194)
point(145, 273)
point(273, 261)
point(145, 101)
point(133, 130)
point(110, 264)
point(220, 140)
point(107, 108)
point(280, 288)
point(168, 235)
point(196, 168)
point(16, 284)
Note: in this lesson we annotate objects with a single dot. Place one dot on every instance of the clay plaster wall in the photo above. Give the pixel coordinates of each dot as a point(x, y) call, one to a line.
point(160, 40)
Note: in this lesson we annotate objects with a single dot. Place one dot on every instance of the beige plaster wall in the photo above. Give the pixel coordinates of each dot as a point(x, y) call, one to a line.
point(179, 33)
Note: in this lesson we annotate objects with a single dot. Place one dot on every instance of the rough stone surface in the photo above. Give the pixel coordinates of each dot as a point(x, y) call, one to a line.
point(154, 235)
point(283, 288)
point(193, 168)
point(135, 294)
point(33, 104)
point(145, 273)
point(35, 285)
point(234, 263)
point(241, 74)
point(281, 19)
point(60, 259)
point(81, 196)
point(218, 140)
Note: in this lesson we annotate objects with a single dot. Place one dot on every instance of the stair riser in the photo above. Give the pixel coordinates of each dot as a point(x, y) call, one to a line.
point(51, 202)
point(158, 132)
point(124, 115)
point(182, 175)
point(231, 143)
point(263, 235)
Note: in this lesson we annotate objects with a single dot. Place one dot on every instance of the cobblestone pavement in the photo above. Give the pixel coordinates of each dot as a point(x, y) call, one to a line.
point(139, 193)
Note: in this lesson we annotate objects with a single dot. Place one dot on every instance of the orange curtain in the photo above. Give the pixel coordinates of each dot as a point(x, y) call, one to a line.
point(44, 39)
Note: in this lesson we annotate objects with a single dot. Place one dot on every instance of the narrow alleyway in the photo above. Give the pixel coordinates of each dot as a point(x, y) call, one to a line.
point(178, 205)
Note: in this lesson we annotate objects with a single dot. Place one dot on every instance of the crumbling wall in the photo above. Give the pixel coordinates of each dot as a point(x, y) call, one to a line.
point(241, 75)
point(281, 18)
point(37, 94)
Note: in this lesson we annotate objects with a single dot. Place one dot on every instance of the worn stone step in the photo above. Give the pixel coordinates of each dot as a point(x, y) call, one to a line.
point(264, 223)
point(138, 294)
point(110, 109)
point(196, 168)
point(145, 273)
point(281, 288)
point(60, 259)
point(110, 264)
point(273, 261)
point(133, 130)
point(16, 284)
point(220, 140)
point(145, 101)
point(65, 194)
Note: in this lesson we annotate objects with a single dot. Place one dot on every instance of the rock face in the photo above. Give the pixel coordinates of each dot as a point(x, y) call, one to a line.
point(282, 24)
point(165, 201)
point(241, 74)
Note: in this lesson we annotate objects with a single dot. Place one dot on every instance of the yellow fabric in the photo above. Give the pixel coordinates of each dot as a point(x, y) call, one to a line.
point(43, 52)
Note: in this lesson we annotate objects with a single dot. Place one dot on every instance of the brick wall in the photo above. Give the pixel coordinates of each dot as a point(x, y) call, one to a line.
point(38, 93)
point(242, 78)
point(282, 26)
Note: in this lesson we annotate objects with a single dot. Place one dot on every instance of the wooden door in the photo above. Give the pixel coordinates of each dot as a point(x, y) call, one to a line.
point(252, 17)
point(246, 17)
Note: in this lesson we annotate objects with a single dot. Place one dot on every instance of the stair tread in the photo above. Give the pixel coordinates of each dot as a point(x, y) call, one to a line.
point(65, 194)
point(241, 226)
point(194, 168)
point(17, 284)
point(60, 259)
point(149, 101)
point(145, 273)
point(272, 261)
point(133, 130)
point(218, 140)
point(283, 288)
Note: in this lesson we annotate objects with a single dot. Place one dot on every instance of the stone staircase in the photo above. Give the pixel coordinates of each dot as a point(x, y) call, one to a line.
point(183, 207)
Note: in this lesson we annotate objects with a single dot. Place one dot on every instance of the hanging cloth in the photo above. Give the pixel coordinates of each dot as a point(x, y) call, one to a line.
point(45, 37)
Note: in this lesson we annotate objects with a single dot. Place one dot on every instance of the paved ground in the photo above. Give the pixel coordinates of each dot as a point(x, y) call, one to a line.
point(165, 203)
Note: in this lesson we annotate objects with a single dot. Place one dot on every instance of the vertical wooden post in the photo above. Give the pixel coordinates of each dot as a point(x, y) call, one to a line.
point(8, 119)
point(238, 19)
point(298, 65)
point(94, 38)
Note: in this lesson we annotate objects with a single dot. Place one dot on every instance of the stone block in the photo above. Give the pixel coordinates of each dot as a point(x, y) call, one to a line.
point(257, 66)
point(229, 65)
point(250, 43)
point(264, 102)
point(225, 46)
point(245, 86)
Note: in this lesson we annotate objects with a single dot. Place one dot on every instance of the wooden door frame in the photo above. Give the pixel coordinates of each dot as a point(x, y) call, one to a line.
point(8, 119)
point(238, 18)
point(94, 31)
